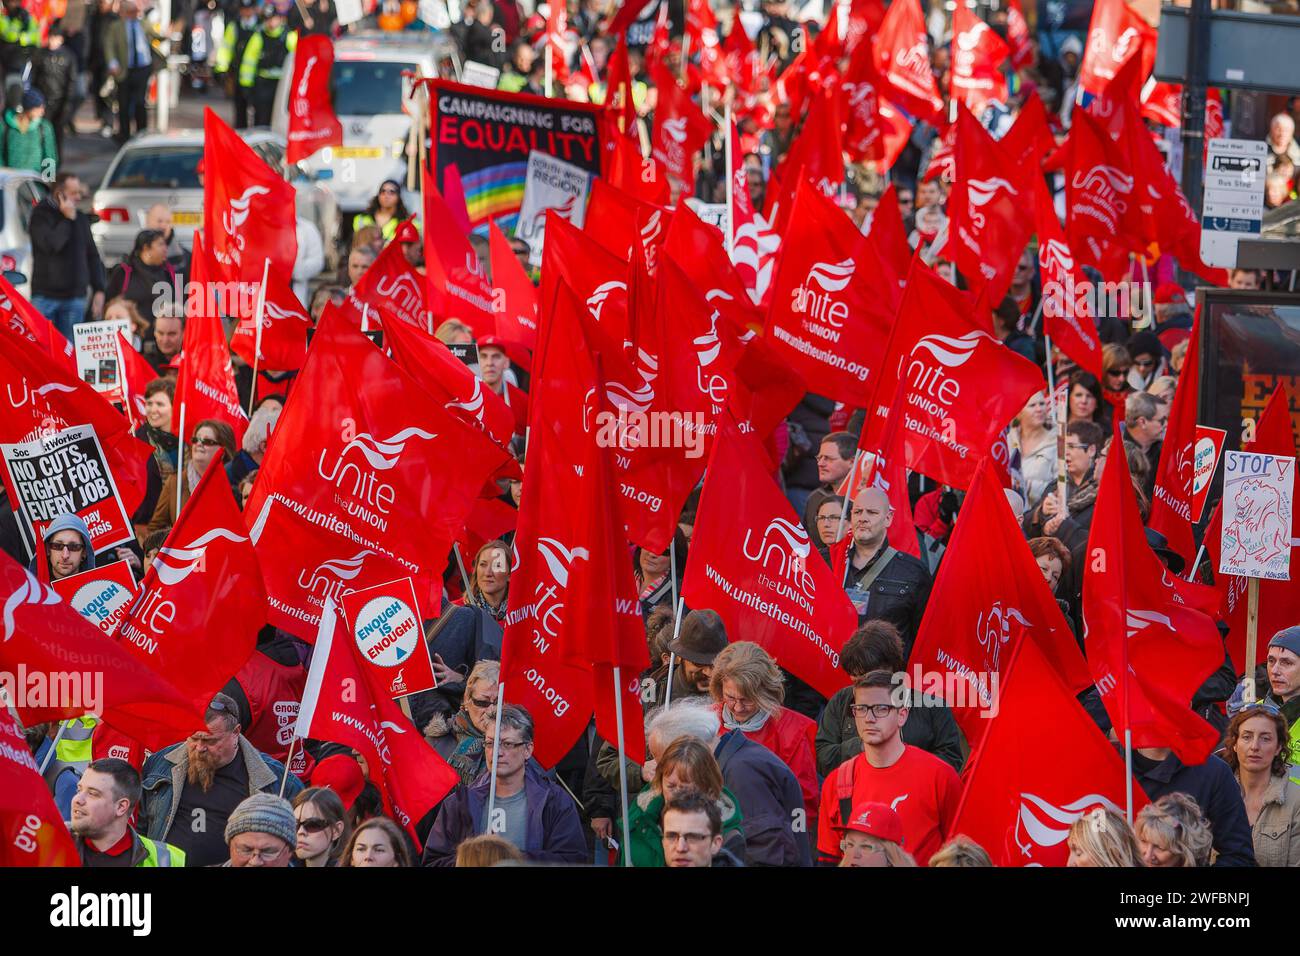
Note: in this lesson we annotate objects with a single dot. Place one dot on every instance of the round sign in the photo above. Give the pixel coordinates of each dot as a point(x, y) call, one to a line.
point(1203, 464)
point(387, 631)
point(104, 603)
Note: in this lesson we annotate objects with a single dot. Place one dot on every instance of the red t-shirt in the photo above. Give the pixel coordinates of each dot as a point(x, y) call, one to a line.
point(923, 789)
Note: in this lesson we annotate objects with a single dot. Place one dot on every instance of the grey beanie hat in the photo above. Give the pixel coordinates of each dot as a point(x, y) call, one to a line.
point(264, 813)
point(1287, 638)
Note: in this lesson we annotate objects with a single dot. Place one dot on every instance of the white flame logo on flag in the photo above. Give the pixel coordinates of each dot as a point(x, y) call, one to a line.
point(1055, 256)
point(832, 276)
point(559, 559)
point(473, 405)
point(949, 351)
point(385, 454)
point(241, 207)
point(1047, 825)
point(676, 129)
point(980, 192)
point(596, 301)
point(31, 591)
point(1140, 620)
point(174, 565)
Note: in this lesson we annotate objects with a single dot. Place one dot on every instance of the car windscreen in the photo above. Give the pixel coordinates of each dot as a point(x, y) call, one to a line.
point(172, 167)
point(367, 87)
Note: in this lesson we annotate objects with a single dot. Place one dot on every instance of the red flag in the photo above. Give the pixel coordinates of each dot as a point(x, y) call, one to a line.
point(455, 285)
point(865, 17)
point(205, 385)
point(391, 290)
point(620, 110)
point(136, 373)
point(629, 172)
point(449, 380)
point(202, 602)
point(312, 123)
point(832, 308)
point(453, 195)
point(1116, 34)
point(865, 133)
point(987, 208)
point(1150, 640)
point(557, 25)
point(889, 236)
point(985, 601)
point(816, 157)
point(339, 705)
point(943, 157)
point(620, 221)
point(1018, 36)
point(248, 210)
point(1067, 309)
point(680, 130)
point(1103, 221)
point(25, 320)
point(1029, 136)
point(285, 322)
point(44, 397)
point(32, 832)
point(1018, 806)
point(42, 635)
point(1171, 500)
point(360, 450)
point(752, 562)
point(702, 28)
point(628, 12)
point(977, 57)
point(515, 298)
point(742, 58)
point(958, 386)
point(1279, 601)
point(903, 54)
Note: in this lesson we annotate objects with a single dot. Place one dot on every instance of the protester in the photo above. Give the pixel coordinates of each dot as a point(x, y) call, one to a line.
point(209, 438)
point(1085, 402)
point(655, 583)
point(386, 211)
point(1036, 444)
point(156, 430)
point(1257, 749)
point(494, 364)
point(378, 842)
point(140, 276)
point(192, 789)
point(1172, 831)
point(884, 584)
point(68, 548)
point(1102, 837)
point(261, 832)
point(873, 836)
point(1282, 661)
point(536, 815)
point(887, 770)
point(1213, 789)
point(257, 434)
point(107, 796)
point(323, 830)
point(487, 850)
point(831, 525)
point(692, 833)
point(1148, 359)
point(65, 262)
point(1145, 420)
point(961, 851)
point(164, 347)
point(460, 740)
point(267, 689)
point(127, 49)
point(835, 459)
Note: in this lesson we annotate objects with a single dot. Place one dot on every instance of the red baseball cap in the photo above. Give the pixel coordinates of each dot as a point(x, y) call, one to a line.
point(407, 231)
point(877, 820)
point(343, 775)
point(1168, 292)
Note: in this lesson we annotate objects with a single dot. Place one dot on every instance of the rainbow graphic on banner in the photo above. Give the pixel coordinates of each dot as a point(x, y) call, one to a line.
point(495, 194)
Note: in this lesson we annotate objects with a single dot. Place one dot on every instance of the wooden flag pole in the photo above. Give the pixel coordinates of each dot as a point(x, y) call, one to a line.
point(259, 312)
point(1252, 635)
point(496, 749)
point(622, 767)
point(672, 657)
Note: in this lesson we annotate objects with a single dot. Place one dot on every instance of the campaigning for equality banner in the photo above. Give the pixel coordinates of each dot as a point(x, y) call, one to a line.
point(488, 134)
point(65, 473)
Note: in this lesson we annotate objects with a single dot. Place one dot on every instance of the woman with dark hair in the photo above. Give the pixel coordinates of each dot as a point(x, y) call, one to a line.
point(1085, 403)
point(209, 438)
point(141, 274)
point(385, 212)
point(156, 430)
point(654, 583)
point(323, 829)
point(377, 841)
point(1258, 749)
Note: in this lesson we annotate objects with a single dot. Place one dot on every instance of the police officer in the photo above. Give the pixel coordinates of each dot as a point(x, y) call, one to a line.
point(20, 38)
point(263, 61)
point(107, 795)
point(233, 43)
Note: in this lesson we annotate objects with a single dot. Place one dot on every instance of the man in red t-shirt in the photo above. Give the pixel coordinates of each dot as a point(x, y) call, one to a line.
point(922, 789)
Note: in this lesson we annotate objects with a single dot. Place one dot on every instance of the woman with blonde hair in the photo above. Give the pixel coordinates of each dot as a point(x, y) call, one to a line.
point(459, 741)
point(489, 583)
point(873, 837)
point(487, 849)
point(377, 841)
point(1162, 389)
point(1102, 838)
point(1172, 831)
point(687, 764)
point(961, 851)
point(1035, 440)
point(749, 691)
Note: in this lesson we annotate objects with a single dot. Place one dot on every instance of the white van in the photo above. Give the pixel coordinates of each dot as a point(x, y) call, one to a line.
point(372, 101)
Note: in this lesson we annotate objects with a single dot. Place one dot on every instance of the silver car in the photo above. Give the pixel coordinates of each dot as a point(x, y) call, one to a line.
point(20, 191)
point(162, 168)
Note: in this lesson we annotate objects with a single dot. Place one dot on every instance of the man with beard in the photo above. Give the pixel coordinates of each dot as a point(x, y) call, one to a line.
point(192, 788)
point(107, 794)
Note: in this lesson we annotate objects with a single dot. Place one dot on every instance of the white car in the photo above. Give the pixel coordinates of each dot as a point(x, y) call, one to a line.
point(371, 84)
point(163, 168)
point(20, 191)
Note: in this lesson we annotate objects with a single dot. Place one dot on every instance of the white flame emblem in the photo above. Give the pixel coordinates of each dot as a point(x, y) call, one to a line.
point(949, 351)
point(832, 277)
point(385, 454)
point(1047, 825)
point(1140, 620)
point(174, 565)
point(559, 559)
point(596, 301)
point(31, 591)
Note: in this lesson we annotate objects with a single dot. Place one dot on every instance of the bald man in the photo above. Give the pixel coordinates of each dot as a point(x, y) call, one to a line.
point(884, 584)
point(159, 216)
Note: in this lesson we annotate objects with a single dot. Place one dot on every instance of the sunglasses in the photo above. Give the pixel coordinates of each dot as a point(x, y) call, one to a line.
point(205, 442)
point(65, 546)
point(482, 702)
point(313, 824)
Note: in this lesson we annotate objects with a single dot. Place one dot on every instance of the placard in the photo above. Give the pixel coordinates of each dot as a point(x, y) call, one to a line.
point(102, 595)
point(386, 624)
point(550, 183)
point(479, 74)
point(1257, 496)
point(1206, 451)
point(65, 473)
point(96, 344)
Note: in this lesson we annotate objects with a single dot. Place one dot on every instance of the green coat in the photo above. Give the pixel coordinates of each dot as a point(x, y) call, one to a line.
point(33, 150)
point(644, 819)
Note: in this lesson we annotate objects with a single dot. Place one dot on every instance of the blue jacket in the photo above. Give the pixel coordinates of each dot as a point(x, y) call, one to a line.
point(1215, 790)
point(771, 805)
point(554, 829)
point(164, 773)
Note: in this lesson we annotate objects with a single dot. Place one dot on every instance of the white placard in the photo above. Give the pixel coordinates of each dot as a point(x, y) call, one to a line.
point(348, 11)
point(1233, 206)
point(714, 213)
point(1258, 492)
point(550, 183)
point(479, 74)
point(96, 344)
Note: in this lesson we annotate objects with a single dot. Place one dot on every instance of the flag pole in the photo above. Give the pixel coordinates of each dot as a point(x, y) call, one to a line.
point(548, 55)
point(49, 755)
point(460, 563)
point(672, 567)
point(622, 766)
point(1196, 562)
point(1252, 635)
point(259, 312)
point(1128, 765)
point(1060, 412)
point(288, 760)
point(844, 507)
point(180, 463)
point(496, 750)
point(731, 179)
point(672, 657)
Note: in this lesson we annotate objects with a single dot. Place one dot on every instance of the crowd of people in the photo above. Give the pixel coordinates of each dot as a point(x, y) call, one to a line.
point(746, 764)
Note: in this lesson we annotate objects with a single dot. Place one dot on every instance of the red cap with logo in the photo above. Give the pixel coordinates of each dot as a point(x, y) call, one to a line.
point(343, 775)
point(877, 820)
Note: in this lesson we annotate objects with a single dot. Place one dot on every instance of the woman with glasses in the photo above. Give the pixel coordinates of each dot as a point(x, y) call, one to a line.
point(748, 690)
point(323, 829)
point(1258, 749)
point(385, 212)
point(209, 438)
point(1116, 363)
point(873, 836)
point(459, 740)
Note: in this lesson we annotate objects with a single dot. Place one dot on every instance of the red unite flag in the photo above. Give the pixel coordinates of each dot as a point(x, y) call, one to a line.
point(205, 385)
point(1067, 308)
point(312, 123)
point(977, 57)
point(680, 130)
point(281, 344)
point(390, 291)
point(1171, 500)
point(1116, 34)
point(32, 832)
point(515, 296)
point(455, 286)
point(903, 55)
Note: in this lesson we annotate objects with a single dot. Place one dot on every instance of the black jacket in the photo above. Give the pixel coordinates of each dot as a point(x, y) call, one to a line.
point(65, 261)
point(54, 73)
point(771, 803)
point(897, 595)
point(136, 281)
point(1215, 791)
point(813, 415)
